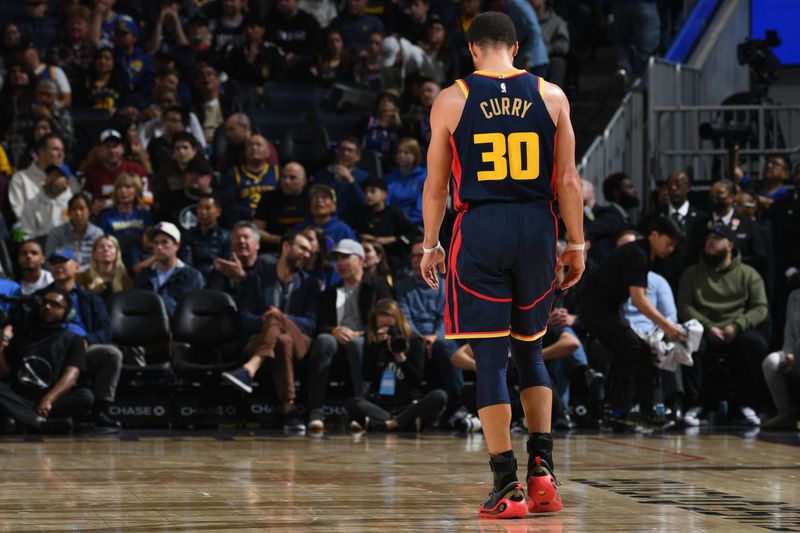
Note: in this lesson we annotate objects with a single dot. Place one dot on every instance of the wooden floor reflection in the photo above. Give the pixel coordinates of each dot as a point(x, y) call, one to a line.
point(395, 483)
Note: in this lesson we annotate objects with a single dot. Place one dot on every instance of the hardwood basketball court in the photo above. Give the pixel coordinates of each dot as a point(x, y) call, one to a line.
point(242, 481)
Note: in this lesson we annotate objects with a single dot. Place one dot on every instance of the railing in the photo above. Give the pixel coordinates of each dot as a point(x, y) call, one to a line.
point(677, 144)
point(621, 146)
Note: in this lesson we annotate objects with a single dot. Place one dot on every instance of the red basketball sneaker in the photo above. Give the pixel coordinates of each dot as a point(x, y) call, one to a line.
point(542, 491)
point(507, 503)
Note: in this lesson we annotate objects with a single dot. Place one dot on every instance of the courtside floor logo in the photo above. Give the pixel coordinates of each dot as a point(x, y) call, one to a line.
point(771, 515)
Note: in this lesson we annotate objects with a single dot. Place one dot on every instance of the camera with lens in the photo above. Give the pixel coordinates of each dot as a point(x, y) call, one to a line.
point(397, 342)
point(763, 63)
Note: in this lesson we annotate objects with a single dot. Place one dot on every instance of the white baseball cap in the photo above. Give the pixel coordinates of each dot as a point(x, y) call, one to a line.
point(168, 228)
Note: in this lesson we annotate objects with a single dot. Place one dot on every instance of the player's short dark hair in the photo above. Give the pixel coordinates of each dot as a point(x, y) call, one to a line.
point(491, 29)
point(612, 184)
point(665, 226)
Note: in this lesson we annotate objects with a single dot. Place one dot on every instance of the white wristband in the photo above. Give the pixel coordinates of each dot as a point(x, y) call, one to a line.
point(575, 247)
point(434, 249)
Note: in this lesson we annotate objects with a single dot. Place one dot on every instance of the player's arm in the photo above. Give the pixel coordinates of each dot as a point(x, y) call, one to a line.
point(568, 182)
point(434, 194)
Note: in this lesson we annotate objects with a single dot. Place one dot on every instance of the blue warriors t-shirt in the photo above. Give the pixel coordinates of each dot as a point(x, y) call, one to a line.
point(504, 144)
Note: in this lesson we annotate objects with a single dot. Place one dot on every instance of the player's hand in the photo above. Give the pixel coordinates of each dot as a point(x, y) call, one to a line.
point(430, 264)
point(572, 259)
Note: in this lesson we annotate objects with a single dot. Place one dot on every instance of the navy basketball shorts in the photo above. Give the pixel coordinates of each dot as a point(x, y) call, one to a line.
point(501, 271)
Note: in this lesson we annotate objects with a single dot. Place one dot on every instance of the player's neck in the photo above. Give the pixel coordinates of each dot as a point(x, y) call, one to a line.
point(495, 63)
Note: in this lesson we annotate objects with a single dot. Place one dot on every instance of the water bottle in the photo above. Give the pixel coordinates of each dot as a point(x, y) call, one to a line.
point(723, 409)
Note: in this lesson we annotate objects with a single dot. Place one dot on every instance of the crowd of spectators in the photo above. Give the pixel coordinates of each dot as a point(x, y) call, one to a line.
point(177, 189)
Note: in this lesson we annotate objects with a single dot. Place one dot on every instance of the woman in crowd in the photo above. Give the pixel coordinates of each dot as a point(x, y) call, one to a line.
point(406, 180)
point(103, 89)
point(375, 262)
point(106, 274)
point(367, 70)
point(77, 233)
point(334, 63)
point(394, 359)
point(128, 217)
point(384, 129)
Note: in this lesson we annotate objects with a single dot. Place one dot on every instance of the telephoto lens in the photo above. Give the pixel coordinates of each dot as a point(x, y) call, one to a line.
point(397, 342)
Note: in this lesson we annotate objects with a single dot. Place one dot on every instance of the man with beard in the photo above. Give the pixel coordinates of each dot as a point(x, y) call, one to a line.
point(284, 207)
point(686, 215)
point(45, 365)
point(611, 220)
point(624, 275)
point(746, 235)
point(728, 298)
point(278, 306)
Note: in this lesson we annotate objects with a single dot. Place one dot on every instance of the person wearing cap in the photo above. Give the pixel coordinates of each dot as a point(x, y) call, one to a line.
point(345, 177)
point(27, 183)
point(43, 71)
point(169, 277)
point(49, 208)
point(135, 64)
point(254, 178)
point(388, 225)
point(278, 307)
point(623, 275)
point(91, 323)
point(729, 299)
point(78, 232)
point(180, 206)
point(298, 34)
point(322, 211)
point(747, 237)
point(103, 173)
point(343, 314)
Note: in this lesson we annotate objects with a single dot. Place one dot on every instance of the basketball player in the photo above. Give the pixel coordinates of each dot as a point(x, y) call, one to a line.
point(496, 129)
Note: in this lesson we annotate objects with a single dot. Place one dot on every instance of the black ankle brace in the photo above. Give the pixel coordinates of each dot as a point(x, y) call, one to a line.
point(504, 469)
point(541, 445)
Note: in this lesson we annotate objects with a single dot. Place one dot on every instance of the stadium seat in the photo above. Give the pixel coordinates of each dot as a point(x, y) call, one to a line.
point(274, 124)
point(286, 96)
point(139, 319)
point(339, 124)
point(307, 143)
point(206, 335)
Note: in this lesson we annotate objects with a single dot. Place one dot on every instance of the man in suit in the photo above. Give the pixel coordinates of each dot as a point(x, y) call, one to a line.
point(747, 237)
point(611, 220)
point(686, 215)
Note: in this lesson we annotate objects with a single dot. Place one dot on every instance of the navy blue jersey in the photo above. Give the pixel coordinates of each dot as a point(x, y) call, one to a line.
point(504, 144)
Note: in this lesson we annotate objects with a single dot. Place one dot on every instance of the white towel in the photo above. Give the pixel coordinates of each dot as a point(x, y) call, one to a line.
point(671, 354)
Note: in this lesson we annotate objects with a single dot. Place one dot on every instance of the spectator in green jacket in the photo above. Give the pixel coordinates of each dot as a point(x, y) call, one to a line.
point(728, 298)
